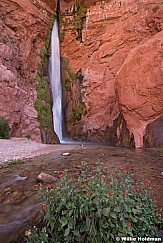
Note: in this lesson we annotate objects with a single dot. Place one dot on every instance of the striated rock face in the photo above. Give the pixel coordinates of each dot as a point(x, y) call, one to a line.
point(140, 86)
point(113, 69)
point(23, 28)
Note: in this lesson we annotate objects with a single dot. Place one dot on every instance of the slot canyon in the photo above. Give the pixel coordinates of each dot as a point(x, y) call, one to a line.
point(111, 69)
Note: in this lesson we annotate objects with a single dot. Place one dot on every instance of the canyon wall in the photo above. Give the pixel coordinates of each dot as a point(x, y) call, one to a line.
point(23, 27)
point(112, 69)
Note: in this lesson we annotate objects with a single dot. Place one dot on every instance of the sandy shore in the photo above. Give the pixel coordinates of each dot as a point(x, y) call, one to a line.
point(20, 148)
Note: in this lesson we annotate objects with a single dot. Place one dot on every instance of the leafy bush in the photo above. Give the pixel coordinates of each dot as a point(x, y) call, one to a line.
point(11, 162)
point(77, 113)
point(95, 209)
point(4, 128)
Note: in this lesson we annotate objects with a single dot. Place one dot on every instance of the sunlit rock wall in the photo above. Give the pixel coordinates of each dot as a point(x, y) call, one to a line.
point(115, 54)
point(112, 67)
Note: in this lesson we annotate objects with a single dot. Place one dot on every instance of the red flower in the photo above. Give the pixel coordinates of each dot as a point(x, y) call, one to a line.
point(101, 176)
point(110, 192)
point(129, 224)
point(61, 174)
point(123, 170)
point(104, 182)
point(43, 207)
point(145, 183)
point(84, 184)
point(150, 184)
point(48, 186)
point(89, 192)
point(115, 194)
point(124, 193)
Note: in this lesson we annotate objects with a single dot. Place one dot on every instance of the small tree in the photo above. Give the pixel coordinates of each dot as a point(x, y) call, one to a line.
point(4, 128)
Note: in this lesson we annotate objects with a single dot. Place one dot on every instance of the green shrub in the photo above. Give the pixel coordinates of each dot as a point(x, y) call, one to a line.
point(4, 128)
point(11, 162)
point(72, 75)
point(95, 209)
point(77, 113)
point(43, 103)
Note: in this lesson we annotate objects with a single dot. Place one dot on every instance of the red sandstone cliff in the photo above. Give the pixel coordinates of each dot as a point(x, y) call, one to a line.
point(23, 28)
point(119, 54)
point(112, 68)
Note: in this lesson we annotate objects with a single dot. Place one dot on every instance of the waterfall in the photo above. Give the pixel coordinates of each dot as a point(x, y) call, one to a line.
point(55, 79)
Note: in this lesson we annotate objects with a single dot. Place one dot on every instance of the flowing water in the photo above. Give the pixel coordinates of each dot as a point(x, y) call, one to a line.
point(55, 78)
point(19, 198)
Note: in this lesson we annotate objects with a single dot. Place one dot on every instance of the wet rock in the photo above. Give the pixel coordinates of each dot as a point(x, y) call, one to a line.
point(66, 154)
point(46, 178)
point(9, 195)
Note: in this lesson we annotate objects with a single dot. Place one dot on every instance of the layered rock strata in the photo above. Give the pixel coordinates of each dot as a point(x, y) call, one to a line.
point(114, 52)
point(23, 28)
point(112, 68)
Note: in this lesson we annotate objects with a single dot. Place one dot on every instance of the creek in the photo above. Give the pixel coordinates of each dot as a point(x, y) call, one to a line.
point(19, 197)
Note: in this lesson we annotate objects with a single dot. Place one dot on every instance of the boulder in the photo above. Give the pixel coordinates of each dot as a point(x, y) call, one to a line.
point(46, 178)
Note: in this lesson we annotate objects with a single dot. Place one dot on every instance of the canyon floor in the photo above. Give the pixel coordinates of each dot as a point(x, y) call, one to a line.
point(18, 194)
point(23, 148)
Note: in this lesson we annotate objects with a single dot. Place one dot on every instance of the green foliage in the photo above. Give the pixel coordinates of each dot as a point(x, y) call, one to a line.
point(67, 84)
point(79, 15)
point(77, 113)
point(160, 150)
point(72, 75)
point(43, 102)
point(39, 236)
point(61, 35)
point(95, 209)
point(48, 37)
point(4, 128)
point(11, 162)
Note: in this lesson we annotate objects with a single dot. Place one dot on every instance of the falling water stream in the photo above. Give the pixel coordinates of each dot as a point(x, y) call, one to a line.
point(55, 79)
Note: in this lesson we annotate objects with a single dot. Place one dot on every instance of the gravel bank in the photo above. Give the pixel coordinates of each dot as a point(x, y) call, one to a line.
point(20, 148)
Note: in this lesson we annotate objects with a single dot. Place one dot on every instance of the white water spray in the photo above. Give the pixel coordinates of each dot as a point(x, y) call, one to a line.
point(55, 78)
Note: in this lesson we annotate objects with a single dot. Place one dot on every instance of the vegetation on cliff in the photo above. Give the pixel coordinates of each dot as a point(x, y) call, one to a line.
point(79, 17)
point(43, 103)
